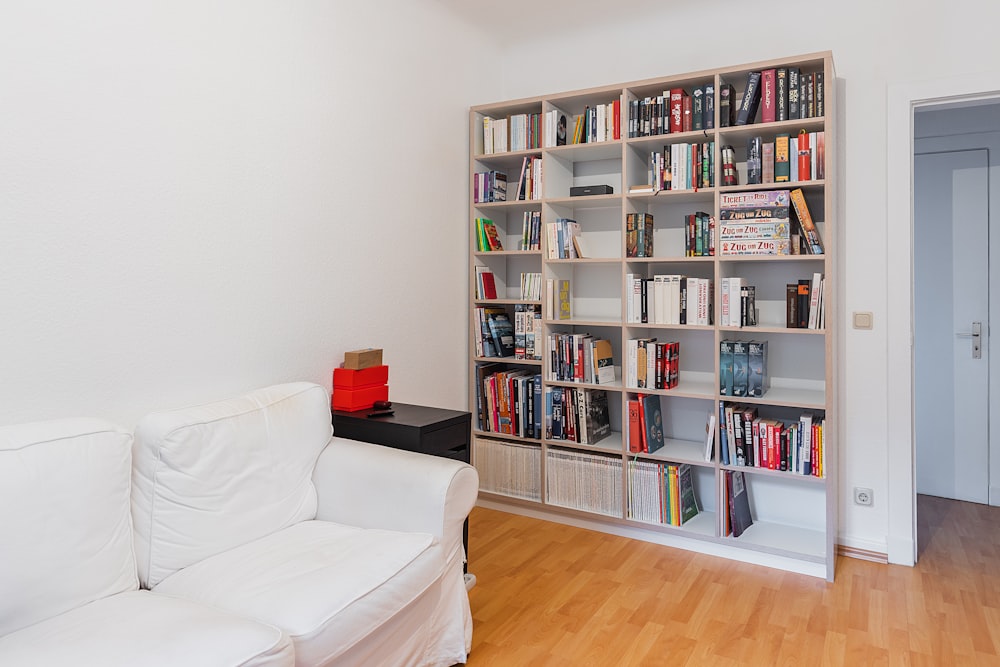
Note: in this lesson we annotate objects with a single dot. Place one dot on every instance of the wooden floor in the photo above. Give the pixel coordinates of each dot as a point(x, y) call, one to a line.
point(553, 595)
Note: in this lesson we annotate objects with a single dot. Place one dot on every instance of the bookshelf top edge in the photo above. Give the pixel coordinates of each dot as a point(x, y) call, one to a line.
point(525, 104)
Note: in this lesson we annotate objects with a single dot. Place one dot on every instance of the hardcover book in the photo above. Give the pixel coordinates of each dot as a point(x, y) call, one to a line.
point(604, 369)
point(726, 368)
point(751, 100)
point(740, 367)
point(768, 84)
point(754, 161)
point(757, 382)
point(697, 109)
point(708, 108)
point(794, 89)
point(781, 170)
point(598, 415)
point(727, 105)
point(814, 243)
point(688, 500)
point(739, 503)
point(652, 422)
point(781, 94)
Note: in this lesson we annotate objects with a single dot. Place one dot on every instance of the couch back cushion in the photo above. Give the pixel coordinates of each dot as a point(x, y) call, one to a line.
point(212, 477)
point(65, 528)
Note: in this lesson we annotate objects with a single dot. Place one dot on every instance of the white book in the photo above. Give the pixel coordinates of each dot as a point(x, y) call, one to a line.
point(814, 297)
point(735, 296)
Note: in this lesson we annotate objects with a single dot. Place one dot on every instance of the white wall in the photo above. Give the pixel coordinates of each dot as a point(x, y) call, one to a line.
point(573, 45)
point(200, 198)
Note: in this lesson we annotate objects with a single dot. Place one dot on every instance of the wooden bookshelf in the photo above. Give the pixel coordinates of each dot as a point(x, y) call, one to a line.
point(795, 516)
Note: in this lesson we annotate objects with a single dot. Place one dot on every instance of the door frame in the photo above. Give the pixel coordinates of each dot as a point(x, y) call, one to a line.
point(902, 100)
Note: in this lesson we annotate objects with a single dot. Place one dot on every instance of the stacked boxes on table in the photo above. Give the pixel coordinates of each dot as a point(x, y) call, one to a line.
point(361, 381)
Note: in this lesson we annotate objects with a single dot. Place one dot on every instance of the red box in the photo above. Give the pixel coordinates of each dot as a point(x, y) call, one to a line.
point(356, 379)
point(358, 399)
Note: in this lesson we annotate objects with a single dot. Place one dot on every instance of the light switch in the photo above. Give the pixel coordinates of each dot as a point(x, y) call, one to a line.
point(862, 320)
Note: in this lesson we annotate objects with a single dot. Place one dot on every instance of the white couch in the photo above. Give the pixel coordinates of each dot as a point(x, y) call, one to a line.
point(254, 538)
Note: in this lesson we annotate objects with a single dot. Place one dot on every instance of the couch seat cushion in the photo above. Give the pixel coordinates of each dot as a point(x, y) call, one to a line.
point(140, 629)
point(327, 585)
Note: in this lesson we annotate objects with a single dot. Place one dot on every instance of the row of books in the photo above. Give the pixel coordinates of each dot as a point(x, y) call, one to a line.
point(738, 307)
point(563, 239)
point(486, 287)
point(487, 237)
point(527, 331)
point(661, 493)
point(531, 286)
point(531, 231)
point(496, 332)
point(700, 238)
point(509, 468)
point(489, 186)
point(580, 357)
point(786, 158)
point(743, 368)
point(804, 308)
point(645, 424)
point(639, 235)
point(510, 400)
point(584, 481)
point(779, 94)
point(668, 299)
point(517, 132)
point(598, 123)
point(529, 183)
point(747, 439)
point(577, 415)
point(682, 167)
point(652, 364)
point(672, 111)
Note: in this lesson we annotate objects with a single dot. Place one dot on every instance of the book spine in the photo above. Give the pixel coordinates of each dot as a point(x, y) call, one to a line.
point(751, 100)
point(768, 112)
point(781, 94)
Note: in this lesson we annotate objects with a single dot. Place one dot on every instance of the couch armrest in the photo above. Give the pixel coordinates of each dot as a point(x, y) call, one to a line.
point(371, 486)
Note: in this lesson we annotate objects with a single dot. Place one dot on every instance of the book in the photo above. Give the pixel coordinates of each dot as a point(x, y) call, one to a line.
point(687, 499)
point(813, 241)
point(754, 161)
point(597, 415)
point(604, 369)
point(781, 170)
point(502, 333)
point(634, 426)
point(768, 92)
point(757, 380)
point(740, 367)
point(767, 162)
point(793, 93)
point(652, 422)
point(802, 308)
point(710, 436)
point(708, 110)
point(726, 368)
point(727, 105)
point(781, 94)
point(698, 108)
point(739, 502)
point(563, 300)
point(751, 100)
point(792, 306)
point(729, 174)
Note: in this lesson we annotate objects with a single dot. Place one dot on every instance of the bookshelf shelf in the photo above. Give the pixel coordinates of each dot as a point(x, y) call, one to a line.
point(794, 516)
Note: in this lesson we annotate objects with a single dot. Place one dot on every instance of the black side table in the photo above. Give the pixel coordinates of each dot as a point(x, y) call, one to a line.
point(416, 428)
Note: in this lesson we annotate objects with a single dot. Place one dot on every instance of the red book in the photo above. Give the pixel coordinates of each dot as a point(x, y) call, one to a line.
point(634, 427)
point(644, 444)
point(677, 96)
point(772, 447)
point(768, 103)
point(686, 106)
point(489, 285)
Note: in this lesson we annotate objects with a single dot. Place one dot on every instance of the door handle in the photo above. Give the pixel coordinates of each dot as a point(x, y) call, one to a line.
point(976, 335)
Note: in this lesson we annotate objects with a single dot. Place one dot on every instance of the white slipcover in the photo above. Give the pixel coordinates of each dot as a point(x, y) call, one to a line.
point(65, 531)
point(213, 477)
point(143, 629)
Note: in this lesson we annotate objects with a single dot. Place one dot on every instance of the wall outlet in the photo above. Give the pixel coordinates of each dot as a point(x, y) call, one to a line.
point(862, 496)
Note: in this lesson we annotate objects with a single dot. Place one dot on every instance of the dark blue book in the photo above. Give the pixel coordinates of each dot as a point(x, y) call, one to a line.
point(502, 333)
point(537, 398)
point(652, 422)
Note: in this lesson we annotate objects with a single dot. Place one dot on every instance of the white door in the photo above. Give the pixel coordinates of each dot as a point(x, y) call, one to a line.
point(951, 303)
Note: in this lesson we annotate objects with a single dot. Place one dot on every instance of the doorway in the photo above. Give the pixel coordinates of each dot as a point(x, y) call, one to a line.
point(904, 101)
point(951, 348)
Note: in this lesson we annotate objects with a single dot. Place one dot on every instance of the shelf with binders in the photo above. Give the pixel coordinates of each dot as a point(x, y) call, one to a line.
point(508, 468)
point(589, 481)
point(788, 513)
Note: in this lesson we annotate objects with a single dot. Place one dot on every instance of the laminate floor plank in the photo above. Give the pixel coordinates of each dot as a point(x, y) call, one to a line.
point(550, 594)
